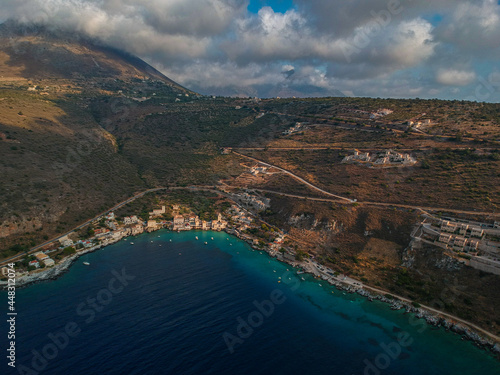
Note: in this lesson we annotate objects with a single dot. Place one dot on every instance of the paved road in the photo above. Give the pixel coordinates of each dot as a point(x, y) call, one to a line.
point(423, 209)
point(360, 202)
point(295, 177)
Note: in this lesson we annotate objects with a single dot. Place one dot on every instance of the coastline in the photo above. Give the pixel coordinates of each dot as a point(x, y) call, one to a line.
point(54, 272)
point(432, 318)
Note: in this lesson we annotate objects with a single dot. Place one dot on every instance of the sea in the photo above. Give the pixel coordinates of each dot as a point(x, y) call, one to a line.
point(171, 304)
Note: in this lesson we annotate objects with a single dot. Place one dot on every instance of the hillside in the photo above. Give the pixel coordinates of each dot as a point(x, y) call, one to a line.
point(84, 126)
point(58, 164)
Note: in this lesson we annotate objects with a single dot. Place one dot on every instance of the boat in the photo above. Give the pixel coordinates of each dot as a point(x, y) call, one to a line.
point(303, 279)
point(206, 243)
point(230, 244)
point(300, 272)
point(196, 237)
point(131, 243)
point(170, 240)
point(86, 263)
point(212, 238)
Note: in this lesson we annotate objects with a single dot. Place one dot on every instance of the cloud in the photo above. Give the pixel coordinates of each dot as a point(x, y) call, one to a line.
point(364, 47)
point(452, 77)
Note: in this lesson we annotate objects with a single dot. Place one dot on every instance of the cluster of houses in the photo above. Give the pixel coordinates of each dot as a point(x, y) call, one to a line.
point(258, 169)
point(259, 203)
point(41, 257)
point(460, 236)
point(239, 215)
point(386, 158)
point(194, 222)
point(362, 157)
point(296, 128)
point(381, 113)
point(394, 158)
point(459, 243)
point(418, 124)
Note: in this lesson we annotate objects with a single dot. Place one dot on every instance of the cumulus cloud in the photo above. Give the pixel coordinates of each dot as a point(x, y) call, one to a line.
point(363, 47)
point(452, 77)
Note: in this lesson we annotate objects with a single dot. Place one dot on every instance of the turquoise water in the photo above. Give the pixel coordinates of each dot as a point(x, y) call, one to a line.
point(198, 309)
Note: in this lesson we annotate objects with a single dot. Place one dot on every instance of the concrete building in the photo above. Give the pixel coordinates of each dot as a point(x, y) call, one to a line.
point(157, 212)
point(65, 241)
point(444, 238)
point(178, 220)
point(152, 224)
point(448, 227)
point(49, 262)
point(459, 243)
point(41, 256)
point(476, 232)
point(136, 229)
point(357, 157)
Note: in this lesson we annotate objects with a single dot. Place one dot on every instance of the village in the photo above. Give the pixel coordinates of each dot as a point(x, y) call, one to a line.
point(108, 229)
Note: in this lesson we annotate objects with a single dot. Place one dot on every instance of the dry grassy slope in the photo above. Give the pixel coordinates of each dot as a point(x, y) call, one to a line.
point(58, 165)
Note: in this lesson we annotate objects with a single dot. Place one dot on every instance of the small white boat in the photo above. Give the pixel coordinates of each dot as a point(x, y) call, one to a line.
point(206, 243)
point(212, 238)
point(196, 237)
point(170, 240)
point(131, 243)
point(303, 279)
point(230, 244)
point(86, 263)
point(227, 239)
point(320, 285)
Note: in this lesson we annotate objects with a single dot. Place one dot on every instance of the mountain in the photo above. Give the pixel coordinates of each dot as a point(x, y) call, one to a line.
point(85, 126)
point(39, 53)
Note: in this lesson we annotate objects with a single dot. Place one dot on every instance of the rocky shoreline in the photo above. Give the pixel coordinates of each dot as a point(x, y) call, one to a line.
point(431, 318)
point(54, 272)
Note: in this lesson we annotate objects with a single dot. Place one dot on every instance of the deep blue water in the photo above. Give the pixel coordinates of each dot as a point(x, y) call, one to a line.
point(185, 295)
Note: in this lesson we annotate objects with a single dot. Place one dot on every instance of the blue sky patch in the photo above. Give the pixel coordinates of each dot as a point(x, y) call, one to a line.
point(278, 5)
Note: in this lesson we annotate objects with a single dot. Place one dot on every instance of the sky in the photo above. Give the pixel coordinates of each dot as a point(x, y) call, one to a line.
point(447, 49)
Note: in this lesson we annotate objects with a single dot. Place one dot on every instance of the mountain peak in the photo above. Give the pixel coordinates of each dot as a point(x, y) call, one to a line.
point(41, 52)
